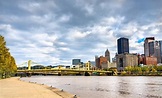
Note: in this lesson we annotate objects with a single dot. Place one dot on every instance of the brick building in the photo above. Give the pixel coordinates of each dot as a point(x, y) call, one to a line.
point(150, 60)
point(147, 60)
point(101, 62)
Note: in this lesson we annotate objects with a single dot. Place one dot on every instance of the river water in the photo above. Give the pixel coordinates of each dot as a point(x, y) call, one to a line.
point(105, 86)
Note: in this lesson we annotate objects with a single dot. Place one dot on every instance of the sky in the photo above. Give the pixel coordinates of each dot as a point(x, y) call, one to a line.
point(53, 32)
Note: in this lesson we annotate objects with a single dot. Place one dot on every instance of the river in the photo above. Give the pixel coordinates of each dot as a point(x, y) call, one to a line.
point(105, 86)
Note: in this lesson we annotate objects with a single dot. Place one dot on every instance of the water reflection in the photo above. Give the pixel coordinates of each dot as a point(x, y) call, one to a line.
point(105, 86)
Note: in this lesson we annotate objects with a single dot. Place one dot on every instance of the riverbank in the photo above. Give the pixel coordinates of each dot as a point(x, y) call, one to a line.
point(14, 88)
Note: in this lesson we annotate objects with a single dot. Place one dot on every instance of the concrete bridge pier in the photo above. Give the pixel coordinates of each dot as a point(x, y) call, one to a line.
point(60, 73)
point(86, 74)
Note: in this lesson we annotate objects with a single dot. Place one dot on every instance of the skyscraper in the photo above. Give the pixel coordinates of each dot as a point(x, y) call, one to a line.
point(154, 50)
point(161, 49)
point(146, 45)
point(107, 55)
point(123, 45)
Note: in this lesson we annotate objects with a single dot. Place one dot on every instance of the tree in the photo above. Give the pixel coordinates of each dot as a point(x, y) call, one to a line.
point(128, 69)
point(145, 70)
point(7, 62)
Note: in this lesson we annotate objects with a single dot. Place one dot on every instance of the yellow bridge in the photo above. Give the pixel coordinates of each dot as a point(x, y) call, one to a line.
point(64, 72)
point(59, 71)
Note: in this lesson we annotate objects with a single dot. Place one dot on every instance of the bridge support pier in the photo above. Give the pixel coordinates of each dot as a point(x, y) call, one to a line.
point(28, 74)
point(86, 74)
point(60, 74)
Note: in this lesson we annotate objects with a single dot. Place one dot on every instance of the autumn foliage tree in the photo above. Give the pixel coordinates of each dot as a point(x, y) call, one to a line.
point(7, 62)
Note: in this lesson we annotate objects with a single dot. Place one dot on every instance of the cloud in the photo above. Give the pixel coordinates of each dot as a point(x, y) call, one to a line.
point(55, 32)
point(65, 18)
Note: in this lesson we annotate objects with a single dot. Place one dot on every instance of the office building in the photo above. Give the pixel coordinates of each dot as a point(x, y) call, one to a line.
point(107, 55)
point(123, 45)
point(76, 61)
point(146, 45)
point(154, 50)
point(161, 50)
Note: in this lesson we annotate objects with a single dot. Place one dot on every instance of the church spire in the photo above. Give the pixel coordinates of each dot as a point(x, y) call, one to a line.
point(107, 55)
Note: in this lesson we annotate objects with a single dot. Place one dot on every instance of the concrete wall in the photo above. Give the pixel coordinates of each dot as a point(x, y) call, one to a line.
point(124, 60)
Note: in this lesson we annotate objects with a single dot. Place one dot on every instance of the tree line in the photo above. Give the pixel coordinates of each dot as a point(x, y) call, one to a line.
point(145, 70)
point(7, 62)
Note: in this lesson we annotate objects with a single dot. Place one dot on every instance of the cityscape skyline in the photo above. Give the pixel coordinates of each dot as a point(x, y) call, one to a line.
point(55, 32)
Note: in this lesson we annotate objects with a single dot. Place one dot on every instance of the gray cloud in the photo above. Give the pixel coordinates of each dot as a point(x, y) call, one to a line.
point(54, 32)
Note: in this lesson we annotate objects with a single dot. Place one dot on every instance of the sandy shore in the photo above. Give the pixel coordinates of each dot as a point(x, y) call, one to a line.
point(14, 88)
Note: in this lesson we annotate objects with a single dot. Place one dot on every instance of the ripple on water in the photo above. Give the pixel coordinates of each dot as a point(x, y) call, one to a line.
point(100, 89)
point(153, 84)
point(153, 96)
point(123, 92)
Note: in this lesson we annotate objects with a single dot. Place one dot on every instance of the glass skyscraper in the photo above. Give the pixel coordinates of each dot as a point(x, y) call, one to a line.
point(123, 45)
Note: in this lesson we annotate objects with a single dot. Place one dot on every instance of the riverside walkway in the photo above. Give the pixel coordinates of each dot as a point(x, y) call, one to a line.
point(14, 88)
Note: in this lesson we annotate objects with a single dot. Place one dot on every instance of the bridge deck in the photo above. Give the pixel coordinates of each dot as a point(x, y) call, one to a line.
point(63, 70)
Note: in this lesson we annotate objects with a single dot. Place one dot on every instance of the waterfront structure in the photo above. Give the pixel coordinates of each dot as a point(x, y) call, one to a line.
point(126, 59)
point(76, 61)
point(123, 45)
point(107, 55)
point(146, 45)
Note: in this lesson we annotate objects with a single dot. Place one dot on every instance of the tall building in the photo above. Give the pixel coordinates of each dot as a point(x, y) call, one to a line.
point(146, 45)
point(123, 45)
point(76, 61)
point(161, 49)
point(154, 50)
point(107, 55)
